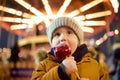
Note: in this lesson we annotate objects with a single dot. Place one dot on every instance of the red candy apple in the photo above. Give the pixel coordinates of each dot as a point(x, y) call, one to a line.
point(62, 51)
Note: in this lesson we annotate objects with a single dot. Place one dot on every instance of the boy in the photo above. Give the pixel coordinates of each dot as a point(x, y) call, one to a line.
point(66, 31)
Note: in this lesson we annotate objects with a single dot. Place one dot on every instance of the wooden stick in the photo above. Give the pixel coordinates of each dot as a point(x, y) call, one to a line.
point(77, 75)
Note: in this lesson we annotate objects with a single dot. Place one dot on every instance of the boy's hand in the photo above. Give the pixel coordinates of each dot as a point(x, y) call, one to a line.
point(69, 65)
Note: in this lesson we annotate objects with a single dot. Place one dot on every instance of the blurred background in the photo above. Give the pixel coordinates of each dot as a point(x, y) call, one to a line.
point(23, 25)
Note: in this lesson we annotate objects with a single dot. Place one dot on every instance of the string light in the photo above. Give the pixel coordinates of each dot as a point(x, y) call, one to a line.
point(39, 16)
point(105, 36)
point(116, 31)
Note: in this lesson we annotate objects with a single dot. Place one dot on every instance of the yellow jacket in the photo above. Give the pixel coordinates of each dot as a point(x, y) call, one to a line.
point(52, 69)
point(87, 68)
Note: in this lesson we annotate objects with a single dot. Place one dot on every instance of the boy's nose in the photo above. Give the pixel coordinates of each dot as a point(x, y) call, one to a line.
point(63, 37)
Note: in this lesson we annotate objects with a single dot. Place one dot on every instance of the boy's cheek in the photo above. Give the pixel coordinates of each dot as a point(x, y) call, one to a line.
point(53, 44)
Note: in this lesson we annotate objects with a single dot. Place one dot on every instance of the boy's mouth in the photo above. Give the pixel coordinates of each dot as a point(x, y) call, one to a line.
point(62, 43)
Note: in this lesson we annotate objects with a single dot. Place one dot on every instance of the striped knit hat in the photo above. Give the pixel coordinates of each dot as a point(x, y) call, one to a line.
point(65, 21)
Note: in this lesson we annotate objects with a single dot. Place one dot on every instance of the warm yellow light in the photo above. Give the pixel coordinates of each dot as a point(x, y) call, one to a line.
point(1, 7)
point(19, 13)
point(39, 16)
point(29, 7)
point(28, 21)
point(10, 19)
point(36, 12)
point(47, 7)
point(115, 5)
point(26, 15)
point(84, 8)
point(16, 12)
point(36, 39)
point(20, 26)
point(36, 19)
point(47, 22)
point(63, 7)
point(73, 13)
point(23, 3)
point(90, 5)
point(116, 31)
point(16, 20)
point(93, 23)
point(80, 18)
point(88, 29)
point(98, 14)
point(10, 10)
point(97, 42)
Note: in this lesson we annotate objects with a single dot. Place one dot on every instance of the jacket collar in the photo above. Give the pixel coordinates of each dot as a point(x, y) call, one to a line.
point(80, 52)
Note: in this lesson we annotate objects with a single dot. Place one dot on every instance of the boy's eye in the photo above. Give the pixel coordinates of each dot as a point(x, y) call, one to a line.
point(69, 32)
point(57, 34)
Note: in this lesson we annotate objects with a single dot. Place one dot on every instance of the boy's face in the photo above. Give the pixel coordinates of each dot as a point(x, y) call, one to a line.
point(65, 35)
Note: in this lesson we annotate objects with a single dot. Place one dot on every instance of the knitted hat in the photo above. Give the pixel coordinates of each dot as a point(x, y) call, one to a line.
point(68, 22)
